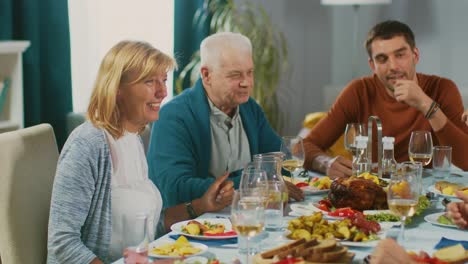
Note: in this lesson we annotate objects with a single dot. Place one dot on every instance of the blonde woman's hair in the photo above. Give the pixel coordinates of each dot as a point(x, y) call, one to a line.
point(127, 63)
point(214, 46)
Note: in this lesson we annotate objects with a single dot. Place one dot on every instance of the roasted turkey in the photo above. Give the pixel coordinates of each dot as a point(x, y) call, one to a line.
point(357, 193)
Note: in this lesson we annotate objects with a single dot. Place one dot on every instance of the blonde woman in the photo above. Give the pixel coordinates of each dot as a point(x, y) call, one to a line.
point(102, 174)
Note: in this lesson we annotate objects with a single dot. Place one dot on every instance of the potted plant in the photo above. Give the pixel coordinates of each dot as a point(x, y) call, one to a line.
point(270, 51)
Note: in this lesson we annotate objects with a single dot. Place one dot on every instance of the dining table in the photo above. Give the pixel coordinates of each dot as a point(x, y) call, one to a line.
point(420, 234)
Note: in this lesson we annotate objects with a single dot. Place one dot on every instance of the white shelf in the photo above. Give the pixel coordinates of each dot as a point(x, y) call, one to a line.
point(11, 66)
point(13, 46)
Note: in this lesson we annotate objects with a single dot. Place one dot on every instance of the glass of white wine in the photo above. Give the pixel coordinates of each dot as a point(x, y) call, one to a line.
point(351, 132)
point(247, 217)
point(420, 147)
point(293, 149)
point(254, 182)
point(403, 193)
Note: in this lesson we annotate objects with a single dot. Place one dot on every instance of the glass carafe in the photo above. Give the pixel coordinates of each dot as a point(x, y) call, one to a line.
point(278, 193)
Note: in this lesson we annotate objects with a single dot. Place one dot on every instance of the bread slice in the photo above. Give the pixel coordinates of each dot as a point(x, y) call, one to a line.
point(323, 246)
point(293, 251)
point(275, 251)
point(329, 256)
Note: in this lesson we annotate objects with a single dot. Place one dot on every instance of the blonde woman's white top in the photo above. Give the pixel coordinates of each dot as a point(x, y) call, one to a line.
point(133, 192)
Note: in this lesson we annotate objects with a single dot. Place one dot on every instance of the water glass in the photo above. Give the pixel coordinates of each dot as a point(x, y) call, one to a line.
point(135, 239)
point(442, 162)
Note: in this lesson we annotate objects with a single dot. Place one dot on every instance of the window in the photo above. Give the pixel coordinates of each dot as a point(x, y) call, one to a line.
point(95, 26)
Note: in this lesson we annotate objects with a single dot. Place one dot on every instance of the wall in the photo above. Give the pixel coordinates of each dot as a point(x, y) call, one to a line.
point(321, 46)
point(96, 26)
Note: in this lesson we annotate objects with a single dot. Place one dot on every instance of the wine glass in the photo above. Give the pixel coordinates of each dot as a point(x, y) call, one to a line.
point(247, 217)
point(254, 182)
point(403, 193)
point(293, 149)
point(420, 147)
point(351, 132)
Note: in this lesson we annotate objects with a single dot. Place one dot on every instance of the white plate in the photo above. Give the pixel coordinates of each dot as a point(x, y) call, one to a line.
point(366, 244)
point(433, 189)
point(432, 218)
point(309, 209)
point(177, 227)
point(309, 190)
point(158, 243)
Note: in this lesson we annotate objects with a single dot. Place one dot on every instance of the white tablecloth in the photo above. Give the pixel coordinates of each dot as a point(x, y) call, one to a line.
point(420, 234)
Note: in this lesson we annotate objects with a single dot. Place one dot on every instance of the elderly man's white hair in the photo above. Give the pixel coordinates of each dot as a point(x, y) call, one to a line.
point(213, 47)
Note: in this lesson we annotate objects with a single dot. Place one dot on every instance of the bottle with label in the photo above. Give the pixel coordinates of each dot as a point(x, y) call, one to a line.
point(389, 164)
point(361, 163)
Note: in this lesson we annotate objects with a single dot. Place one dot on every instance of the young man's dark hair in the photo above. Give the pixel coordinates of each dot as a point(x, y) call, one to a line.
point(387, 30)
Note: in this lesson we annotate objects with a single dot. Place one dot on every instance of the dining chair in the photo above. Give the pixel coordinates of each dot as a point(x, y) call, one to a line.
point(28, 160)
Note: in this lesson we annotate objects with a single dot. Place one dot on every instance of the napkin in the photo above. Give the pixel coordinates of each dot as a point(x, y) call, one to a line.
point(445, 242)
point(211, 242)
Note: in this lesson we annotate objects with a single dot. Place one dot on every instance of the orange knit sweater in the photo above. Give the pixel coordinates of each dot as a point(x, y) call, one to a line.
point(367, 96)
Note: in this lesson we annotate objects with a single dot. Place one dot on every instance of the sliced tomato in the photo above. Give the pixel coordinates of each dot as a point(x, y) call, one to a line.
point(214, 261)
point(302, 184)
point(326, 202)
point(323, 207)
point(343, 212)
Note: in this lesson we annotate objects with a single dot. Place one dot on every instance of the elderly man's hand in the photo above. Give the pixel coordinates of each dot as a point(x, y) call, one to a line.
point(219, 195)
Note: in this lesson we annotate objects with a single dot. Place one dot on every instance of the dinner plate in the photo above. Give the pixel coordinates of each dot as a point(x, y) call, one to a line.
point(158, 243)
point(309, 209)
point(433, 189)
point(309, 190)
point(177, 227)
point(432, 218)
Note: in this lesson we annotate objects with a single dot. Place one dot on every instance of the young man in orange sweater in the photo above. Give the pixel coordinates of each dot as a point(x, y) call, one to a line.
point(404, 100)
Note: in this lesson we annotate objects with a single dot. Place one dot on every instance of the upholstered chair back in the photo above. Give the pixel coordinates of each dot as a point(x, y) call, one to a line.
point(28, 160)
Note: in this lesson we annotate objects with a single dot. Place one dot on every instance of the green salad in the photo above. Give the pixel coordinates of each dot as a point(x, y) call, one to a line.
point(423, 204)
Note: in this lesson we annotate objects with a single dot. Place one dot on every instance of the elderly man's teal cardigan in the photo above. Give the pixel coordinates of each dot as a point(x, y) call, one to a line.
point(179, 152)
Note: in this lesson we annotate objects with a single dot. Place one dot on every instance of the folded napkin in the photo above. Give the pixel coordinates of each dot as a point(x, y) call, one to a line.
point(445, 242)
point(211, 242)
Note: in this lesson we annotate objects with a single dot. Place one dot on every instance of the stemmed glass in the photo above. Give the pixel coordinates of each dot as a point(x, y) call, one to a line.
point(293, 149)
point(403, 193)
point(351, 132)
point(254, 183)
point(420, 147)
point(247, 217)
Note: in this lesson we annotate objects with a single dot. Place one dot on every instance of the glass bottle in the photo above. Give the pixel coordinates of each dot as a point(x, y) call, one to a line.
point(389, 164)
point(361, 163)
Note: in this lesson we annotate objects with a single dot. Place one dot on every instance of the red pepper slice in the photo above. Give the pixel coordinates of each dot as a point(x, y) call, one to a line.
point(230, 233)
point(302, 184)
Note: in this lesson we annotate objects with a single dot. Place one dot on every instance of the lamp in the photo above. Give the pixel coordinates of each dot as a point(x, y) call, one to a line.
point(356, 4)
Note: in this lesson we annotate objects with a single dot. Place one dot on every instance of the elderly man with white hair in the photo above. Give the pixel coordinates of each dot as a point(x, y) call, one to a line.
point(213, 128)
